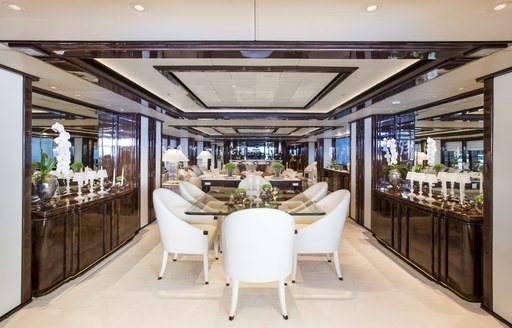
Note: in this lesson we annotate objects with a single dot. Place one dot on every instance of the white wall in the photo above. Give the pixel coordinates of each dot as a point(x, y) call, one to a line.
point(353, 167)
point(158, 155)
point(502, 182)
point(11, 195)
point(144, 179)
point(368, 172)
point(311, 152)
point(327, 152)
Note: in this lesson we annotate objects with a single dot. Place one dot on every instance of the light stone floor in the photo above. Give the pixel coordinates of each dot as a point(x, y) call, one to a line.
point(378, 291)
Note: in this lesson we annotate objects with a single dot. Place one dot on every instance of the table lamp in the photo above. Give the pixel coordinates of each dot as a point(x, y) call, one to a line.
point(102, 175)
point(204, 156)
point(174, 156)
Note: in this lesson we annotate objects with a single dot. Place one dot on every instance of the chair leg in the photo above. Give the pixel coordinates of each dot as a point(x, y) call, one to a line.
point(164, 264)
point(216, 248)
point(234, 298)
point(205, 258)
point(282, 298)
point(337, 265)
point(294, 267)
point(175, 258)
point(328, 257)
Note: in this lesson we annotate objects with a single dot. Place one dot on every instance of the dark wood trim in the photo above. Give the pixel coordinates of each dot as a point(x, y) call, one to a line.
point(26, 272)
point(359, 196)
point(487, 297)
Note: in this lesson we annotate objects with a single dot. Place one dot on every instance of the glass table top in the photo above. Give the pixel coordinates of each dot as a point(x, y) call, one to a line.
point(219, 203)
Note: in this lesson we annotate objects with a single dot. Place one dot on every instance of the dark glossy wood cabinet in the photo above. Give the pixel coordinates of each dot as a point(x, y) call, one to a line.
point(444, 245)
point(71, 238)
point(336, 179)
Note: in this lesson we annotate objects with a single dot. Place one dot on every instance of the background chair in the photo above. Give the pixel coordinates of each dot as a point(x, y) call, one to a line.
point(258, 247)
point(190, 192)
point(179, 236)
point(317, 191)
point(324, 235)
point(253, 183)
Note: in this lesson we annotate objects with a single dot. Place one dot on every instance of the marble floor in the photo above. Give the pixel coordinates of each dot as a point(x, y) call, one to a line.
point(378, 291)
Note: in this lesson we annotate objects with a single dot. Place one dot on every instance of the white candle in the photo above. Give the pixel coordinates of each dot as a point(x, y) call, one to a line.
point(122, 177)
point(114, 176)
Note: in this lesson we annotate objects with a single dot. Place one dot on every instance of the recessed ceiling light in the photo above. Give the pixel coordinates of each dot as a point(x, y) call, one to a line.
point(461, 88)
point(77, 95)
point(53, 87)
point(121, 109)
point(370, 8)
point(501, 6)
point(137, 7)
point(396, 102)
point(13, 6)
point(233, 86)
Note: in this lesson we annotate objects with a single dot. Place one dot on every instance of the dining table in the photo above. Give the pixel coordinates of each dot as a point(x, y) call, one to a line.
point(224, 203)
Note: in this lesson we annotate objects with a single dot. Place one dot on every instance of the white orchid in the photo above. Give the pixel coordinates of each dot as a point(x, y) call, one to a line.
point(63, 145)
point(391, 154)
point(431, 151)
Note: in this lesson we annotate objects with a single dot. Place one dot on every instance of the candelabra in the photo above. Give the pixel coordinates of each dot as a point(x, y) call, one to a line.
point(79, 177)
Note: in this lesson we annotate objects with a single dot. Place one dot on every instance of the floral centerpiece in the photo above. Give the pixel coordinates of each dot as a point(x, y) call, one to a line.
point(393, 169)
point(431, 151)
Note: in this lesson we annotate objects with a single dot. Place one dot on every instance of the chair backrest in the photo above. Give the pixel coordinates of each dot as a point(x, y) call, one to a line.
point(324, 235)
point(253, 182)
point(190, 192)
point(177, 236)
point(317, 191)
point(258, 244)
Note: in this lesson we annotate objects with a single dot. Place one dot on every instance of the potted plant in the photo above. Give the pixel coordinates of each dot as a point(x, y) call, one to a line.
point(44, 181)
point(77, 166)
point(439, 167)
point(277, 167)
point(230, 167)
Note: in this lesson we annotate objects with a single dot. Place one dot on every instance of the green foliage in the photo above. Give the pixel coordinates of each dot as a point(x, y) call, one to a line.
point(230, 166)
point(479, 198)
point(240, 190)
point(266, 186)
point(77, 166)
point(439, 167)
point(417, 168)
point(277, 165)
point(45, 168)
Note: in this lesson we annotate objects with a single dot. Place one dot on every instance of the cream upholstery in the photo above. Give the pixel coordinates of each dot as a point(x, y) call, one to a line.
point(258, 247)
point(324, 235)
point(179, 236)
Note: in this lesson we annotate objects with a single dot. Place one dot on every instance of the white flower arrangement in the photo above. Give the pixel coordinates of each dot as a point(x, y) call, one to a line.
point(63, 145)
point(391, 154)
point(431, 151)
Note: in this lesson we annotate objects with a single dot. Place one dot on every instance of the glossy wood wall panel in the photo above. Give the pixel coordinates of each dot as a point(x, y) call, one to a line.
point(359, 196)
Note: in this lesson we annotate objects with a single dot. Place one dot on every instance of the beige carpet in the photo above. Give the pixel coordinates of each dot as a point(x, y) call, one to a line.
point(378, 291)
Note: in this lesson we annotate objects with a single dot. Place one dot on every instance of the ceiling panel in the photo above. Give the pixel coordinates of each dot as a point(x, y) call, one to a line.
point(256, 131)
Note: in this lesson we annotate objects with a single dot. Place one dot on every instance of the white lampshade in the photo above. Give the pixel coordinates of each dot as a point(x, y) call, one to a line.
point(420, 157)
point(174, 156)
point(79, 177)
point(91, 175)
point(205, 155)
point(102, 174)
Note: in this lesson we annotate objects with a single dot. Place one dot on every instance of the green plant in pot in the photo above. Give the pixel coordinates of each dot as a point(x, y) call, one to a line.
point(439, 167)
point(77, 166)
point(230, 167)
point(44, 181)
point(277, 167)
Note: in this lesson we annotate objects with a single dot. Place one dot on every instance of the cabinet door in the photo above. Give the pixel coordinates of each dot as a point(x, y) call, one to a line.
point(463, 258)
point(127, 220)
point(382, 219)
point(48, 253)
point(420, 239)
point(91, 235)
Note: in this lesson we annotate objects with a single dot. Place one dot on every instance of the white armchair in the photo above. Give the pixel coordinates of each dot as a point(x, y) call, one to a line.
point(317, 191)
point(324, 235)
point(178, 235)
point(190, 192)
point(258, 247)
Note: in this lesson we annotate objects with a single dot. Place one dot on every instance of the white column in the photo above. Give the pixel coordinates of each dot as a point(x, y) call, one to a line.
point(353, 168)
point(144, 179)
point(78, 143)
point(11, 195)
point(158, 155)
point(311, 152)
point(368, 172)
point(502, 180)
point(327, 152)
